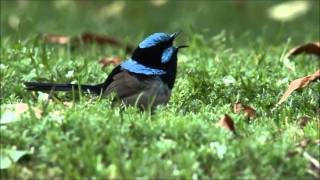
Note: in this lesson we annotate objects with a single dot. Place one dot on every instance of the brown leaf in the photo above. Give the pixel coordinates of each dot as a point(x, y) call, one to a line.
point(110, 60)
point(68, 104)
point(59, 39)
point(87, 38)
point(299, 83)
point(227, 123)
point(310, 48)
point(23, 107)
point(302, 122)
point(247, 110)
point(99, 39)
point(303, 143)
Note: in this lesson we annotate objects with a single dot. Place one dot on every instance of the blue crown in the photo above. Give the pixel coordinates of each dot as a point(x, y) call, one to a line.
point(156, 38)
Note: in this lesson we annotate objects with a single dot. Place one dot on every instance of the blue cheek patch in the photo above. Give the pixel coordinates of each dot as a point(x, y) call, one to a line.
point(154, 39)
point(167, 54)
point(133, 66)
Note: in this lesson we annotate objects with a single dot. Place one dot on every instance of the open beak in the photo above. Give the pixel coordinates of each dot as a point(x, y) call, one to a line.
point(182, 46)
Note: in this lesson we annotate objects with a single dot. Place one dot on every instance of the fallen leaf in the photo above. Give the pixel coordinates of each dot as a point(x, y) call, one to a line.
point(23, 107)
point(110, 60)
point(8, 157)
point(302, 122)
point(309, 48)
point(68, 104)
point(248, 111)
point(303, 143)
point(87, 38)
point(227, 123)
point(59, 39)
point(299, 83)
point(99, 39)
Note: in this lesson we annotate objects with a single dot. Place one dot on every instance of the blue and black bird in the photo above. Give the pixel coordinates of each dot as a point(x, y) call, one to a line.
point(144, 80)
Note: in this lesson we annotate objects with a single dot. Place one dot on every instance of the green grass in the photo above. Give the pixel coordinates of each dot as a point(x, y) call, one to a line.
point(180, 140)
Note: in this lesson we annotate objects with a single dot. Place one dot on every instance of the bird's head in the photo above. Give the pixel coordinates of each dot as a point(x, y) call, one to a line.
point(155, 55)
point(150, 51)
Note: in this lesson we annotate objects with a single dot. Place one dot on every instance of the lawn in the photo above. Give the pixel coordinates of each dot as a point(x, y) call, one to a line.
point(236, 54)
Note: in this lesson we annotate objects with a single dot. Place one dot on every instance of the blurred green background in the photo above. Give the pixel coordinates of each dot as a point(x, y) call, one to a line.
point(242, 19)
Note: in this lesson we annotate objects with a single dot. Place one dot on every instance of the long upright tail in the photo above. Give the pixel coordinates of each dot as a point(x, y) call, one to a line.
point(38, 86)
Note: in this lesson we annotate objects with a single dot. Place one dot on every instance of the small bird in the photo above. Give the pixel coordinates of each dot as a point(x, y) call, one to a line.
point(145, 80)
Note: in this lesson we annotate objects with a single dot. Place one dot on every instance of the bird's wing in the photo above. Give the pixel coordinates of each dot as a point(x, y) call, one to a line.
point(124, 84)
point(139, 90)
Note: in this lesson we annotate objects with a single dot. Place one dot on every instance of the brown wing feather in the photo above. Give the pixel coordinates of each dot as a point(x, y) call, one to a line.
point(124, 84)
point(139, 89)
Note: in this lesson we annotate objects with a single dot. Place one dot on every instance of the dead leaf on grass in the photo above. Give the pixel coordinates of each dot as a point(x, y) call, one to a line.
point(59, 39)
point(68, 104)
point(247, 110)
point(87, 38)
point(110, 60)
point(299, 83)
point(302, 122)
point(309, 48)
point(303, 143)
point(227, 123)
point(23, 107)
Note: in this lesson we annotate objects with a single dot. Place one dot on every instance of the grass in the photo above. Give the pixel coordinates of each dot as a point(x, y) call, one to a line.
point(181, 140)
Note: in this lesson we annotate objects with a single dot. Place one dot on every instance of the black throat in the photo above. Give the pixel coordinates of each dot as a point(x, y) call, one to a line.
point(171, 69)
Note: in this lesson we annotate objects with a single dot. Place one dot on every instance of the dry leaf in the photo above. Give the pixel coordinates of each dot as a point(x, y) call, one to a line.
point(68, 104)
point(303, 143)
point(248, 111)
point(59, 39)
point(227, 123)
point(299, 83)
point(23, 107)
point(87, 38)
point(303, 121)
point(310, 48)
point(110, 60)
point(99, 39)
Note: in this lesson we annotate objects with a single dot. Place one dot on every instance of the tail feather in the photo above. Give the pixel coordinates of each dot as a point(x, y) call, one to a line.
point(39, 86)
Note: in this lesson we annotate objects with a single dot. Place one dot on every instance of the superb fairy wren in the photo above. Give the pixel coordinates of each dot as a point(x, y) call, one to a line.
point(146, 79)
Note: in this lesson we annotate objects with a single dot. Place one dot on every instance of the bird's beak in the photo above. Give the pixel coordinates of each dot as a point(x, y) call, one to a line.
point(174, 35)
point(182, 46)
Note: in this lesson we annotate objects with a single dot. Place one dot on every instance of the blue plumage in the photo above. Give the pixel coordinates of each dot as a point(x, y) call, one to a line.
point(167, 54)
point(155, 38)
point(133, 66)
